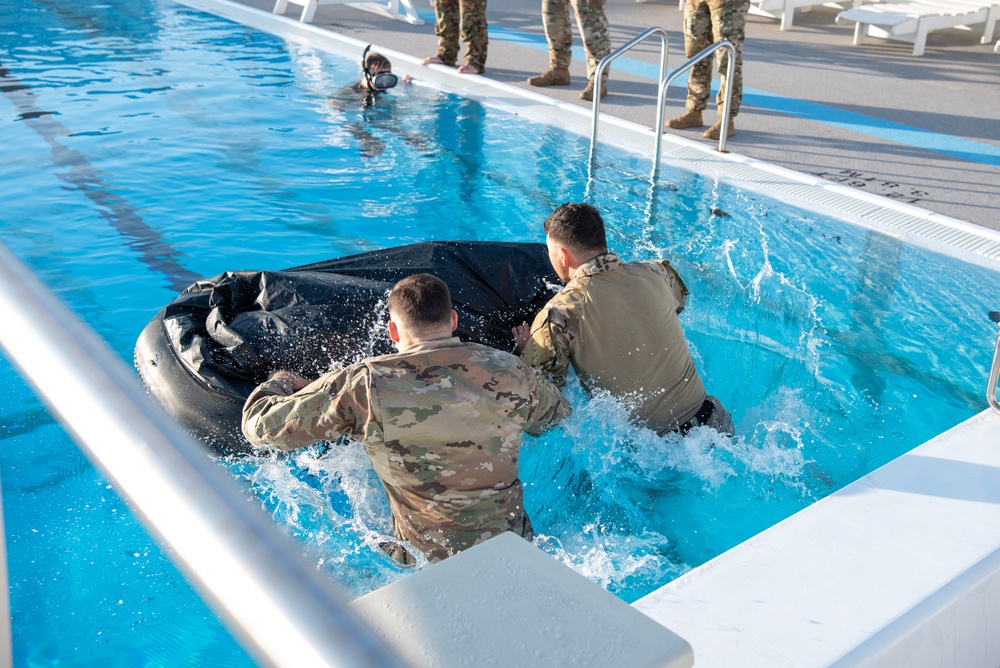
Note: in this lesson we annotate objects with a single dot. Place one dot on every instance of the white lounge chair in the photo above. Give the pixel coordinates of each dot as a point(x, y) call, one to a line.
point(785, 9)
point(388, 8)
point(911, 22)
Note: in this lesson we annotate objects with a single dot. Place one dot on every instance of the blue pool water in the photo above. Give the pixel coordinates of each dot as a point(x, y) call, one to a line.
point(146, 145)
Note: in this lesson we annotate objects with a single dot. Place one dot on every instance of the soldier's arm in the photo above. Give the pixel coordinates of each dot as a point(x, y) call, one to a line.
point(548, 349)
point(275, 416)
point(673, 279)
point(547, 405)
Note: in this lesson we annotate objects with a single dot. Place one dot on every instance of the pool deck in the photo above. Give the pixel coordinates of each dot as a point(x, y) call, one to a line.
point(920, 130)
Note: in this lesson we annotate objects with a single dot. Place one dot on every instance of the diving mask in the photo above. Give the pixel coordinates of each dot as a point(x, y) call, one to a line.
point(380, 80)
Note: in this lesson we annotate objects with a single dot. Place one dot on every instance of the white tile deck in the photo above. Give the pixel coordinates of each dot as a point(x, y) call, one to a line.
point(901, 568)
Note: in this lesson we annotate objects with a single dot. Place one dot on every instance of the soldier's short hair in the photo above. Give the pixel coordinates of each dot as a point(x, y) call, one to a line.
point(376, 61)
point(421, 301)
point(578, 226)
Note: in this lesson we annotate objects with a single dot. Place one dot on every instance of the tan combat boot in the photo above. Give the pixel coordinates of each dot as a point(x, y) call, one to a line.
point(588, 92)
point(714, 131)
point(554, 76)
point(689, 119)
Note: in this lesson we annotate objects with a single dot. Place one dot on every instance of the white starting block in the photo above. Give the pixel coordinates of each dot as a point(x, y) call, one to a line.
point(390, 8)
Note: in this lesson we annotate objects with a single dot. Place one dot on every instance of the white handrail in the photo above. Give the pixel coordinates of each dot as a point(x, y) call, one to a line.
point(991, 384)
point(283, 610)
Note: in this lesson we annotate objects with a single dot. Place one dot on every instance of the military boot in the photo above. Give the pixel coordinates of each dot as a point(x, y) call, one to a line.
point(689, 119)
point(554, 76)
point(588, 92)
point(716, 130)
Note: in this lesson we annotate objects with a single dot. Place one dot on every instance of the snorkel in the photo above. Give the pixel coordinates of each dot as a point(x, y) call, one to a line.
point(380, 81)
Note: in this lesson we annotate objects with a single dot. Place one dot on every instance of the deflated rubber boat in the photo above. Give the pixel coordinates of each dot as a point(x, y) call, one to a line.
point(203, 354)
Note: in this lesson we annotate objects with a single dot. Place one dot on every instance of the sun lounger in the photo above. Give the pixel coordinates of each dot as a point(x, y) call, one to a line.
point(785, 9)
point(388, 8)
point(911, 22)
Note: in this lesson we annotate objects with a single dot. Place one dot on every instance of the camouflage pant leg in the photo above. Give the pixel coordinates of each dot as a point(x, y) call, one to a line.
point(593, 25)
point(446, 15)
point(558, 32)
point(465, 19)
point(729, 20)
point(706, 22)
point(474, 32)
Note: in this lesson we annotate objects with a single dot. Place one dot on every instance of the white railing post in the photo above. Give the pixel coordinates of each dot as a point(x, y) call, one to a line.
point(991, 384)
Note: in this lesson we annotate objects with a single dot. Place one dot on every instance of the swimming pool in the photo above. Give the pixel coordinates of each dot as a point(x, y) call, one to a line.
point(151, 145)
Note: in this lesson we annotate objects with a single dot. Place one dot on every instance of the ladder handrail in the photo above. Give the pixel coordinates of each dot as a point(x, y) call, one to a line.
point(278, 604)
point(991, 384)
point(603, 65)
point(661, 95)
point(726, 105)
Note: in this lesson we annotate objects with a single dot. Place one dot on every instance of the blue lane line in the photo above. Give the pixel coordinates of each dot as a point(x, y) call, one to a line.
point(898, 133)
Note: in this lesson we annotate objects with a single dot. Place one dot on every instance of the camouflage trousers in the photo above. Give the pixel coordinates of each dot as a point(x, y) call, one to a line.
point(465, 19)
point(593, 26)
point(706, 22)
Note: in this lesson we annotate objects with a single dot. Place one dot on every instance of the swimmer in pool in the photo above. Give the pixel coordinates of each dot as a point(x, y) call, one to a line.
point(376, 78)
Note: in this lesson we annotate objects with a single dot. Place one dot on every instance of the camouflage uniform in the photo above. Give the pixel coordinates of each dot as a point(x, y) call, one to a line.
point(441, 422)
point(617, 324)
point(707, 22)
point(471, 15)
point(559, 32)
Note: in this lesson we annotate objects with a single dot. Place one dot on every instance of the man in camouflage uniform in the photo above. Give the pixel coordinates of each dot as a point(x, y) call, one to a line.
point(707, 22)
point(441, 421)
point(593, 26)
point(471, 15)
point(616, 323)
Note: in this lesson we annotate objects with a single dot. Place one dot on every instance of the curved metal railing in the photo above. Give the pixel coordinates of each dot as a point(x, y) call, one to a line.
point(991, 384)
point(603, 65)
point(726, 106)
point(661, 96)
point(280, 607)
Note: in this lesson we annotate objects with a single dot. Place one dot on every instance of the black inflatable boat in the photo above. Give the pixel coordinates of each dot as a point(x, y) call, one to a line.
point(203, 354)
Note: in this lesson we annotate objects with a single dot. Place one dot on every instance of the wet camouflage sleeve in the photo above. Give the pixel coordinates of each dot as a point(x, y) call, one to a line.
point(547, 407)
point(552, 334)
point(335, 404)
point(673, 279)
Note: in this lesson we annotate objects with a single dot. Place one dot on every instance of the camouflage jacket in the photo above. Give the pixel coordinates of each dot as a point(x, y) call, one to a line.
point(617, 324)
point(441, 422)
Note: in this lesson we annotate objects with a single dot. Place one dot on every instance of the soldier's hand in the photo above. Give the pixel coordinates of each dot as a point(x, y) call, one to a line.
point(297, 380)
point(521, 334)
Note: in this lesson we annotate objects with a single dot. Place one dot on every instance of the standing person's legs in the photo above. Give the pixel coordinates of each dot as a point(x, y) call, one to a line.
point(697, 37)
point(446, 14)
point(475, 35)
point(559, 34)
point(593, 24)
point(729, 20)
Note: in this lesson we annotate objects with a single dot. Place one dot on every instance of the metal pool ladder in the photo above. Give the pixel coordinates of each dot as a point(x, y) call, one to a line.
point(661, 96)
point(991, 385)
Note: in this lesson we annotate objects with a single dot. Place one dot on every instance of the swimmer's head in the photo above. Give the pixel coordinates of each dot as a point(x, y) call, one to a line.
point(377, 70)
